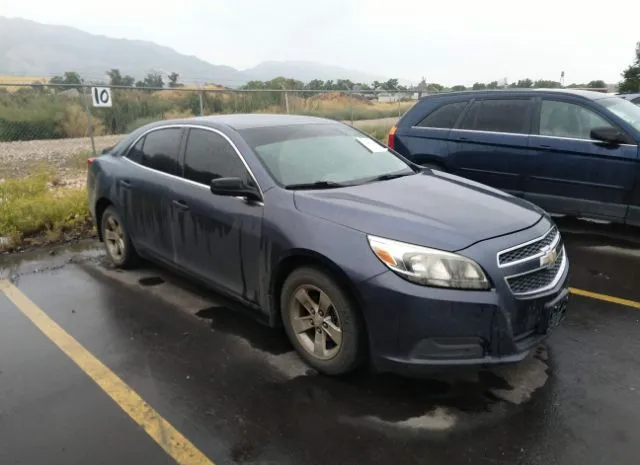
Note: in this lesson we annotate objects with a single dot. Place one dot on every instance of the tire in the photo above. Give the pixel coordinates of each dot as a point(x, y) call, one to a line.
point(335, 310)
point(116, 239)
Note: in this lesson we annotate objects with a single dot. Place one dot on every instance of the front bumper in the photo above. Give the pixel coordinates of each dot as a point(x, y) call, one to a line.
point(415, 330)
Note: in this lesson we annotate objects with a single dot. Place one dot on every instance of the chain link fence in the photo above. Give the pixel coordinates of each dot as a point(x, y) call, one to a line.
point(61, 112)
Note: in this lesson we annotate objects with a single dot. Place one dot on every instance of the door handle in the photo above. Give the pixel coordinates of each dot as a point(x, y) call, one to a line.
point(124, 183)
point(181, 204)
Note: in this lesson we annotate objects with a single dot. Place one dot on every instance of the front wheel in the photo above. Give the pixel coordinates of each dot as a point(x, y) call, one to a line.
point(322, 322)
point(116, 239)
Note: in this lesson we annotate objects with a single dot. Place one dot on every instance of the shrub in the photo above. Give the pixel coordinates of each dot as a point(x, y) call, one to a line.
point(31, 206)
point(75, 122)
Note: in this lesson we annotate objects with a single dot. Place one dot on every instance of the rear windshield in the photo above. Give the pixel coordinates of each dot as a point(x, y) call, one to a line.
point(624, 109)
point(310, 153)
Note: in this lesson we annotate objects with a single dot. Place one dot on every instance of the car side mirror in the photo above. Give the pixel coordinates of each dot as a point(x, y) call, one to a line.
point(608, 134)
point(234, 187)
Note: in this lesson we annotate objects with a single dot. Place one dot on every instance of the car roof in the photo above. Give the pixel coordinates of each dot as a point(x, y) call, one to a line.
point(628, 96)
point(248, 121)
point(587, 94)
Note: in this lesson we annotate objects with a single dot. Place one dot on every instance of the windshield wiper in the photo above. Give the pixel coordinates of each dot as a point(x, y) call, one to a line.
point(315, 185)
point(386, 177)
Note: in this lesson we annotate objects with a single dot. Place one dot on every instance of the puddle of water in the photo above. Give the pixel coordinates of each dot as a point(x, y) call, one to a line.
point(12, 265)
point(258, 336)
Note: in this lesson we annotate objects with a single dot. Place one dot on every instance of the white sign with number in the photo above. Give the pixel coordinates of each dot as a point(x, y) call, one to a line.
point(101, 96)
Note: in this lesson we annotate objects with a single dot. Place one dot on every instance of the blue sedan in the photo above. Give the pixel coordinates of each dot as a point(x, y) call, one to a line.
point(362, 256)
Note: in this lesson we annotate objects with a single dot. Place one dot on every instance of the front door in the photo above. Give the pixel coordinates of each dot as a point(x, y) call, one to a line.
point(491, 144)
point(573, 174)
point(217, 238)
point(144, 190)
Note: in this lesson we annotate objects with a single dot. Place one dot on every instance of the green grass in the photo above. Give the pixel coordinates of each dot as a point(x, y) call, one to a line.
point(31, 207)
point(379, 131)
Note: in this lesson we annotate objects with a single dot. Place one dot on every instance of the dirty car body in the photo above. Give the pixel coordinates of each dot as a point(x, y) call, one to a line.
point(375, 237)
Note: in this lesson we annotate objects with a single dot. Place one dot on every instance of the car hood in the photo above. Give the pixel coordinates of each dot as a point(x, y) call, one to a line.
point(432, 209)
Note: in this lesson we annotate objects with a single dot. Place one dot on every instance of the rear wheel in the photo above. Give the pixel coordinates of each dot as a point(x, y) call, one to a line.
point(322, 322)
point(116, 239)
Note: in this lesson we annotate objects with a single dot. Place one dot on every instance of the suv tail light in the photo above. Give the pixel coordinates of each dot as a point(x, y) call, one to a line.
point(392, 137)
point(90, 161)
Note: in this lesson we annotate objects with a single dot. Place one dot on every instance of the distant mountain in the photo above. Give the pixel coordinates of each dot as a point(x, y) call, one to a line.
point(34, 49)
point(305, 71)
point(28, 48)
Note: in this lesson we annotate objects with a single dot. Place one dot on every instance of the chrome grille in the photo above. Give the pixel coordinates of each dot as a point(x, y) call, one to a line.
point(529, 250)
point(538, 280)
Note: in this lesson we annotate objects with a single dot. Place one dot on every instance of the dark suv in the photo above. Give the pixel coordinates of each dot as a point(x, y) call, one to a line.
point(570, 152)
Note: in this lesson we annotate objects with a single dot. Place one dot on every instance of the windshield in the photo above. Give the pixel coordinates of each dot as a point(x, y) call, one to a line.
point(624, 109)
point(330, 154)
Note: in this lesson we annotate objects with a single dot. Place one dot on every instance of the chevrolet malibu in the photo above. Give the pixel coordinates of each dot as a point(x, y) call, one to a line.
point(362, 256)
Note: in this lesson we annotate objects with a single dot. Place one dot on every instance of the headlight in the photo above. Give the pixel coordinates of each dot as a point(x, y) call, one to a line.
point(429, 267)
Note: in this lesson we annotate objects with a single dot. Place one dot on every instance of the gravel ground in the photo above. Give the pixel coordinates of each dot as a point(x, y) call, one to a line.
point(20, 158)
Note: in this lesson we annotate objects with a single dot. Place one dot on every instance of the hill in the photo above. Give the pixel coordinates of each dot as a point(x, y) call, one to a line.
point(305, 71)
point(28, 48)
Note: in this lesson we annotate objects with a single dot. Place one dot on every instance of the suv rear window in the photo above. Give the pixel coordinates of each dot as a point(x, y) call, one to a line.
point(508, 115)
point(444, 116)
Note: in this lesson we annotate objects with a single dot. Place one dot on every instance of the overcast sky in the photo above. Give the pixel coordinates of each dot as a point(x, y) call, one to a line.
point(447, 42)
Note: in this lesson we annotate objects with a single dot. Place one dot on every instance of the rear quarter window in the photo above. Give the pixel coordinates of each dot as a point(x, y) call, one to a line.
point(444, 116)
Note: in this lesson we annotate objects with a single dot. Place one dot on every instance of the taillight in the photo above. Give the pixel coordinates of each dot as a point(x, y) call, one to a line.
point(391, 142)
point(90, 161)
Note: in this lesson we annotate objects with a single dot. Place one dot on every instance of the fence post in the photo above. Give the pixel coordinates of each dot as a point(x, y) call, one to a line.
point(351, 105)
point(398, 100)
point(89, 120)
point(201, 103)
point(286, 99)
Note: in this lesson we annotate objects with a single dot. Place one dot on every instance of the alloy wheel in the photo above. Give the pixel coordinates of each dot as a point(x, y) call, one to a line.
point(114, 239)
point(315, 322)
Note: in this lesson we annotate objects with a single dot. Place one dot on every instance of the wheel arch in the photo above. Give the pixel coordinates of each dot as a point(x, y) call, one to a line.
point(299, 258)
point(101, 205)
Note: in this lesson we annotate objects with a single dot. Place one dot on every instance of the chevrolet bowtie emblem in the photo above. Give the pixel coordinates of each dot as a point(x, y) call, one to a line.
point(549, 258)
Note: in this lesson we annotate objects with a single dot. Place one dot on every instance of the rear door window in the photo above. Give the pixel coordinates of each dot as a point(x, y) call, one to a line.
point(444, 116)
point(160, 150)
point(499, 115)
point(209, 156)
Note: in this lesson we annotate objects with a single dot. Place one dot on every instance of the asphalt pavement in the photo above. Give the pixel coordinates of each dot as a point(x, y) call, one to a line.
point(99, 366)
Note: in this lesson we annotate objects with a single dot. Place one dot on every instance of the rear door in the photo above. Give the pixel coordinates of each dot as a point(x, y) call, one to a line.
point(144, 189)
point(216, 237)
point(425, 137)
point(572, 173)
point(491, 143)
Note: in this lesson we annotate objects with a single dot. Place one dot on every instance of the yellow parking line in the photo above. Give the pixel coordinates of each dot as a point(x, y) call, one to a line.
point(160, 430)
point(606, 298)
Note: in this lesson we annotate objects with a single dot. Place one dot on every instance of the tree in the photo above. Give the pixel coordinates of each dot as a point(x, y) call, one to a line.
point(522, 84)
point(315, 84)
point(151, 80)
point(173, 80)
point(68, 78)
point(597, 84)
point(376, 85)
point(391, 84)
point(546, 84)
point(492, 85)
point(458, 88)
point(478, 86)
point(117, 79)
point(631, 75)
point(344, 84)
point(434, 87)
